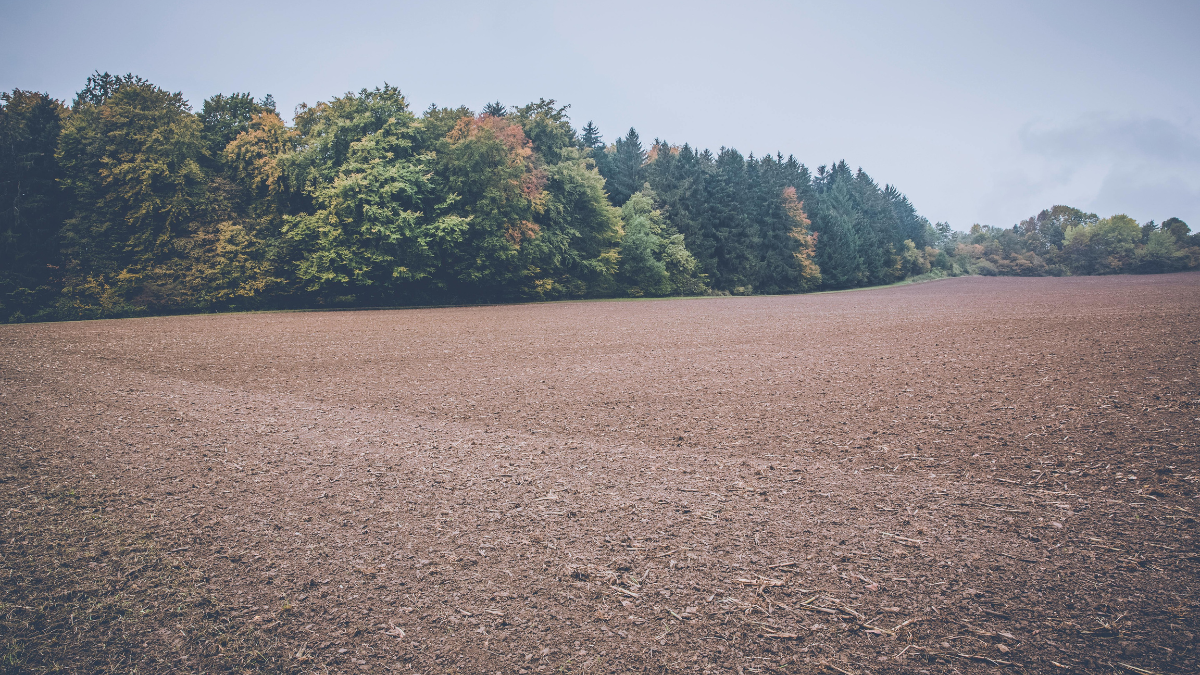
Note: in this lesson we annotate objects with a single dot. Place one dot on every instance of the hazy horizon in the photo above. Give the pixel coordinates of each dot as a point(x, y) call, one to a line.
point(979, 114)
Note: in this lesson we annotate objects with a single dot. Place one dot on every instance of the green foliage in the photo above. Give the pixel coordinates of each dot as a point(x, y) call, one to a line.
point(577, 251)
point(838, 256)
point(130, 155)
point(497, 192)
point(1177, 228)
point(254, 159)
point(548, 128)
point(913, 261)
point(495, 109)
point(228, 258)
point(683, 277)
point(654, 259)
point(328, 129)
point(1161, 253)
point(102, 86)
point(437, 123)
point(591, 139)
point(784, 250)
point(730, 188)
point(807, 275)
point(623, 167)
point(30, 124)
point(257, 199)
point(224, 117)
point(680, 180)
point(942, 234)
point(1043, 234)
point(130, 203)
point(1065, 240)
point(641, 246)
point(1104, 247)
point(367, 228)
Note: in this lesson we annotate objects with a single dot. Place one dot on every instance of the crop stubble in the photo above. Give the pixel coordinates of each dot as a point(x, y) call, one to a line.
point(973, 475)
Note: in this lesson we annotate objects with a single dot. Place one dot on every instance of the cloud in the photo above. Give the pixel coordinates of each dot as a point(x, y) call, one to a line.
point(1147, 194)
point(1100, 136)
point(1147, 167)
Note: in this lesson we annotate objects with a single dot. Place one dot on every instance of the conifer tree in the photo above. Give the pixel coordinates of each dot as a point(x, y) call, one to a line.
point(734, 230)
point(678, 177)
point(624, 172)
point(785, 243)
point(590, 139)
point(838, 255)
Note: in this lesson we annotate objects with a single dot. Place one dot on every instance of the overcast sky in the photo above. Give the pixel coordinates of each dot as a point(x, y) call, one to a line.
point(980, 112)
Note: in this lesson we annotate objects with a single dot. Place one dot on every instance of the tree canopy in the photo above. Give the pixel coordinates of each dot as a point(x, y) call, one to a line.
point(128, 201)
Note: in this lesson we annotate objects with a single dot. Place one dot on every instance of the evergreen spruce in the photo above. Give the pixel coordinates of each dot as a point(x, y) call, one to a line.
point(624, 172)
point(590, 139)
point(837, 239)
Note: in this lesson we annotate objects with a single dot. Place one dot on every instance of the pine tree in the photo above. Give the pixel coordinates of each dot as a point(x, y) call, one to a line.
point(785, 244)
point(838, 253)
point(879, 239)
point(624, 172)
point(678, 176)
point(736, 234)
point(912, 226)
point(495, 109)
point(591, 139)
point(102, 86)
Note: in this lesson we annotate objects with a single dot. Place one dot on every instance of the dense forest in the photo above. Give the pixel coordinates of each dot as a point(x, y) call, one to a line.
point(129, 202)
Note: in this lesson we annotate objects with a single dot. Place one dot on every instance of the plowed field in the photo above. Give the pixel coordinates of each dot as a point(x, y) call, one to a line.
point(970, 475)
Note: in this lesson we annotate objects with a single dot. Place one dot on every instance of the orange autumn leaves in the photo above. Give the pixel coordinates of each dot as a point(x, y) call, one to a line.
point(810, 273)
point(501, 157)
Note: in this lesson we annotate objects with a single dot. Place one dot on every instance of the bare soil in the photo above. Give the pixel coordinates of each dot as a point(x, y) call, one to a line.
point(971, 475)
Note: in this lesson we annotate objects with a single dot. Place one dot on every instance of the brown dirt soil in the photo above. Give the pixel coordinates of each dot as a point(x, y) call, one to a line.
point(972, 475)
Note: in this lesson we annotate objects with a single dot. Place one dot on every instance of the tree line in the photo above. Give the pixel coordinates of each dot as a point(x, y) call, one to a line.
point(1063, 241)
point(129, 202)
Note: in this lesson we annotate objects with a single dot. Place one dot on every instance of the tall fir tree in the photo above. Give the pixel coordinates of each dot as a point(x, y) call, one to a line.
point(735, 231)
point(495, 109)
point(838, 254)
point(783, 249)
point(625, 175)
point(879, 241)
point(678, 176)
point(590, 138)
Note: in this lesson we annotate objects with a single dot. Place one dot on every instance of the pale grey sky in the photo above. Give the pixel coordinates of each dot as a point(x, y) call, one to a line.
point(980, 112)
